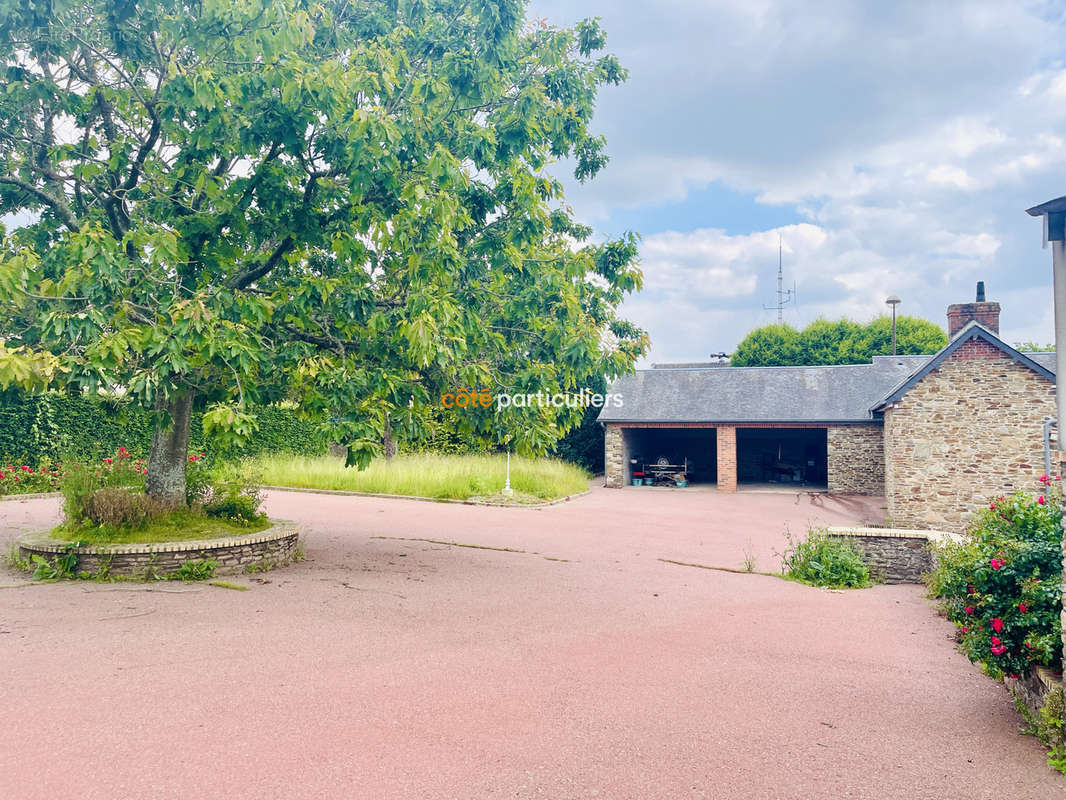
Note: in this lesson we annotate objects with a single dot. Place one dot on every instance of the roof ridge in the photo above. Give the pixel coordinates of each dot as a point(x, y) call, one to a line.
point(778, 366)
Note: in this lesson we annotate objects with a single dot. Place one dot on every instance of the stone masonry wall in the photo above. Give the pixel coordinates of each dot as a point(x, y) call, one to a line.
point(276, 545)
point(969, 431)
point(893, 560)
point(614, 460)
point(856, 459)
point(894, 556)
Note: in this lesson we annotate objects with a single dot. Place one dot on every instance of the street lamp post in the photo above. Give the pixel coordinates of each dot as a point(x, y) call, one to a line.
point(893, 301)
point(1053, 213)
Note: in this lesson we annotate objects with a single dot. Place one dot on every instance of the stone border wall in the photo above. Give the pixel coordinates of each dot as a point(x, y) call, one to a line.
point(276, 545)
point(895, 555)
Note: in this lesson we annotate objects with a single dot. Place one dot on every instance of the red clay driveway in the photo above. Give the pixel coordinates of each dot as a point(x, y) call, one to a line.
point(580, 667)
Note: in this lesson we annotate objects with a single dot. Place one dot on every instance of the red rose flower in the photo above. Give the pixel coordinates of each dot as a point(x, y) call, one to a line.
point(107, 461)
point(996, 563)
point(999, 650)
point(996, 640)
point(1041, 500)
point(997, 625)
point(1023, 607)
point(965, 629)
point(969, 609)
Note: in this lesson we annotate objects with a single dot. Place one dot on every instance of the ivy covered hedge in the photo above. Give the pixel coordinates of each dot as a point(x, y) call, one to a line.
point(56, 427)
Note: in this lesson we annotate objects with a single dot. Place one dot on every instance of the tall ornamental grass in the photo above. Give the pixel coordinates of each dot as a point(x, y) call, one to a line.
point(456, 477)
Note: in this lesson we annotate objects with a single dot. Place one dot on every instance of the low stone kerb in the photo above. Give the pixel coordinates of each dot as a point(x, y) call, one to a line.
point(276, 545)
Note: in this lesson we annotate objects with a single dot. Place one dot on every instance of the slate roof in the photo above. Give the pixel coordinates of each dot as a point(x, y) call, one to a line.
point(759, 394)
point(851, 393)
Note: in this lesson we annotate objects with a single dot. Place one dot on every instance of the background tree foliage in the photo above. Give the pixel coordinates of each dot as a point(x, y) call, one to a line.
point(836, 342)
point(343, 204)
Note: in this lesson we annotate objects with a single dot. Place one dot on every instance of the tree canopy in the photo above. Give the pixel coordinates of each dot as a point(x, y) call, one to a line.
point(347, 205)
point(836, 342)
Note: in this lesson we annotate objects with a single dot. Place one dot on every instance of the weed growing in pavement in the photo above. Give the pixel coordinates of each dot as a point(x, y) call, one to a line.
point(823, 561)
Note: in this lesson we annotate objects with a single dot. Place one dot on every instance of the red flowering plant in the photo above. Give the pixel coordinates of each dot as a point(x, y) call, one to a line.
point(1002, 586)
point(16, 478)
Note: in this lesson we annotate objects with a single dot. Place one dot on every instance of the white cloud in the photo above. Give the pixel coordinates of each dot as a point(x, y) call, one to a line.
point(911, 136)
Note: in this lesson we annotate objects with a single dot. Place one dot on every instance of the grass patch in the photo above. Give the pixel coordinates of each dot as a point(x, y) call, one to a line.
point(237, 587)
point(441, 477)
point(178, 526)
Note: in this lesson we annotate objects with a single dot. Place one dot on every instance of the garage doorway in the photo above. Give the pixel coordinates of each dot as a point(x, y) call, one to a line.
point(782, 457)
point(699, 446)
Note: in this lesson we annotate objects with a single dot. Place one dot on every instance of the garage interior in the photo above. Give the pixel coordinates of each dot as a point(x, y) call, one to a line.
point(698, 445)
point(789, 456)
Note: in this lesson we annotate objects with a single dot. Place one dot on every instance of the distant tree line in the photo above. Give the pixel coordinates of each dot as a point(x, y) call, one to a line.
point(836, 342)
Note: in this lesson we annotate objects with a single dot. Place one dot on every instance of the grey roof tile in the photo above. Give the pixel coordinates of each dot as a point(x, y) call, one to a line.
point(759, 394)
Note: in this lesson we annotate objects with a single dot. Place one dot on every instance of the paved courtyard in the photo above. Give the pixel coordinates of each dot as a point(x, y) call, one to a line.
point(558, 656)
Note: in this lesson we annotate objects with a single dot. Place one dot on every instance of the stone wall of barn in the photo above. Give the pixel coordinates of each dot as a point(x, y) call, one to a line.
point(968, 432)
point(614, 457)
point(856, 459)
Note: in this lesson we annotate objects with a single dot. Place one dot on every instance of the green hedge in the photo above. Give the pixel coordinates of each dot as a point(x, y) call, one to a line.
point(60, 427)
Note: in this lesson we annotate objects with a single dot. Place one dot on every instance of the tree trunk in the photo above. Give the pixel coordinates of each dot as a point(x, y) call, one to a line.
point(388, 443)
point(170, 450)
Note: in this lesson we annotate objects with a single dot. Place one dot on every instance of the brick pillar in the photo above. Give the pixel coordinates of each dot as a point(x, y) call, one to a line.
point(727, 458)
point(614, 460)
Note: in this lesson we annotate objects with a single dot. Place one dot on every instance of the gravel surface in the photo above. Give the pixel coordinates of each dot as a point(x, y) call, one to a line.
point(557, 657)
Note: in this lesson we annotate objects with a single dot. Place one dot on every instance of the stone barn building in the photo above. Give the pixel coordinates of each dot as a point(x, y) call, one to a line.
point(937, 436)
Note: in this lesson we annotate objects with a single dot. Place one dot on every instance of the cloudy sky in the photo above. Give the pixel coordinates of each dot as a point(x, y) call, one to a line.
point(892, 146)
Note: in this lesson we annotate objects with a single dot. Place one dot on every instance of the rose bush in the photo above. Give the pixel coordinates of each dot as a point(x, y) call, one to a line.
point(24, 479)
point(1002, 586)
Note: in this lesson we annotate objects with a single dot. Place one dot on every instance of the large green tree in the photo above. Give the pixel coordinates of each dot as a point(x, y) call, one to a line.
point(221, 204)
point(836, 342)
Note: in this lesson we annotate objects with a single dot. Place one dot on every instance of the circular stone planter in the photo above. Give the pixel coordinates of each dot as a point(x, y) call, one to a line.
point(266, 549)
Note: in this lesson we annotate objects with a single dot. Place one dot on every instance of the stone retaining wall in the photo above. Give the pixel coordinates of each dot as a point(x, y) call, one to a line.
point(276, 545)
point(1034, 689)
point(894, 555)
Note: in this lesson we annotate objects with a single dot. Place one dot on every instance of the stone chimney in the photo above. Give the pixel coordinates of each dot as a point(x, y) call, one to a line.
point(980, 311)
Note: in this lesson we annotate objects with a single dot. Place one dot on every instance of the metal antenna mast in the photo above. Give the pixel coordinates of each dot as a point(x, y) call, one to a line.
point(784, 296)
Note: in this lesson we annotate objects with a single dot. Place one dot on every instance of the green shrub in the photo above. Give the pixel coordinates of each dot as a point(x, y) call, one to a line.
point(1002, 586)
point(820, 560)
point(231, 492)
point(53, 427)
